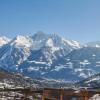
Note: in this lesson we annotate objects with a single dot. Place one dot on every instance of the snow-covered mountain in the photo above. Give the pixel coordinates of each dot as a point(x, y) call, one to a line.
point(94, 44)
point(49, 56)
point(4, 40)
point(85, 61)
point(92, 81)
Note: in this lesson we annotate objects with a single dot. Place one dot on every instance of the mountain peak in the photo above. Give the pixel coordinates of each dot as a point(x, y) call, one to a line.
point(4, 40)
point(40, 33)
point(21, 40)
point(39, 36)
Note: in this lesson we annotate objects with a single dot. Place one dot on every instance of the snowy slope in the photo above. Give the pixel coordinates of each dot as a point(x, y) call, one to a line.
point(4, 40)
point(92, 81)
point(49, 56)
point(95, 97)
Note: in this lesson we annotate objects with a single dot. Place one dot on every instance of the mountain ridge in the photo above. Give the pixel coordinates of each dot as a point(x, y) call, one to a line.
point(49, 56)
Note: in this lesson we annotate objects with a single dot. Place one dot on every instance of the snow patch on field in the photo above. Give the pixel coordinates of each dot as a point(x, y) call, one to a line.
point(58, 68)
point(95, 97)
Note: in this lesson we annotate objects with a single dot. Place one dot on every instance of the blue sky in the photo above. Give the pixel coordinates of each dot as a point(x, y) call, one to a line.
point(74, 19)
